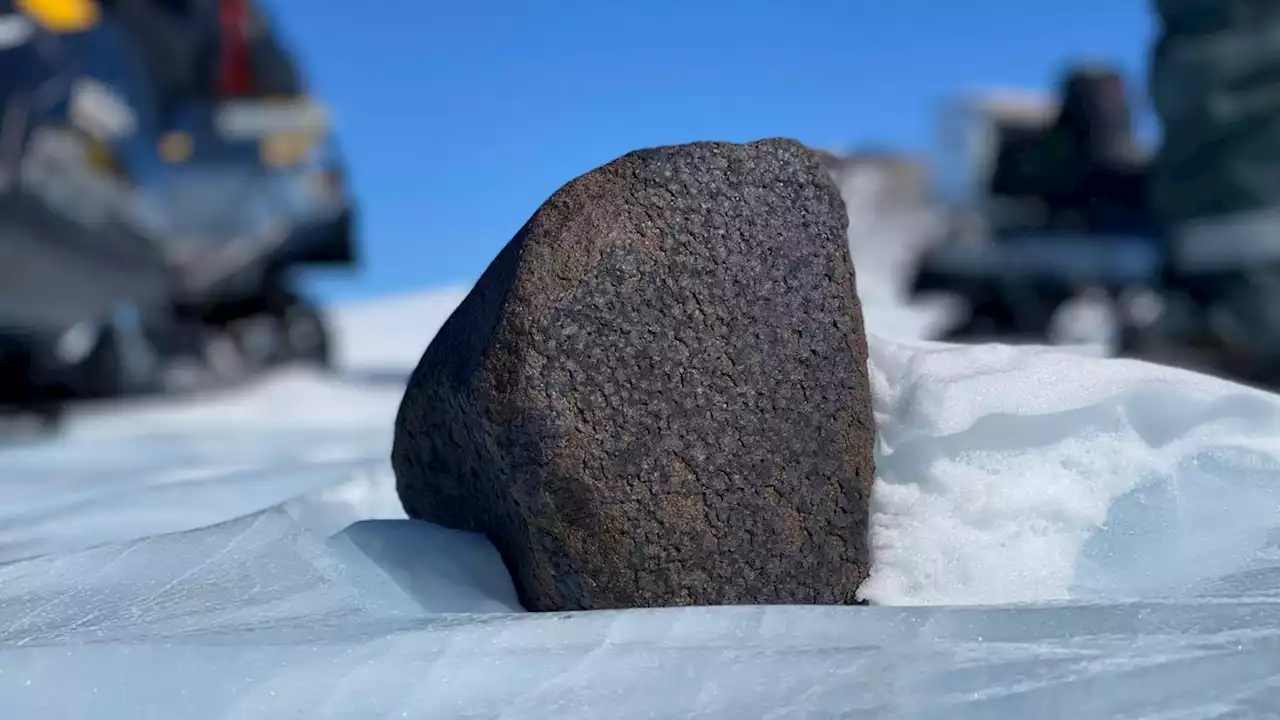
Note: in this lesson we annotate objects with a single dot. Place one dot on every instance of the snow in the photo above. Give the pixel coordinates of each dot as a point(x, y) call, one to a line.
point(1029, 474)
point(1055, 534)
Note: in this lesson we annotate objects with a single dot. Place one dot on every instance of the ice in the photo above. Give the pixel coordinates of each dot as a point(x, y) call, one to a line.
point(257, 618)
point(90, 490)
point(259, 573)
point(1055, 534)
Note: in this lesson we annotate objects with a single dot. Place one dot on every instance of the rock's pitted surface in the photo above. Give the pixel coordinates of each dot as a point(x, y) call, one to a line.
point(657, 393)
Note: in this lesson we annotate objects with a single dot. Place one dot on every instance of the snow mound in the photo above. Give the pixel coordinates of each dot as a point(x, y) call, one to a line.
point(391, 333)
point(892, 219)
point(1020, 474)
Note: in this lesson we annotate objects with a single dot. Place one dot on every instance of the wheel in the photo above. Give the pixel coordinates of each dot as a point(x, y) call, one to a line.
point(1089, 317)
point(24, 392)
point(285, 329)
point(989, 319)
point(118, 366)
point(225, 359)
point(305, 335)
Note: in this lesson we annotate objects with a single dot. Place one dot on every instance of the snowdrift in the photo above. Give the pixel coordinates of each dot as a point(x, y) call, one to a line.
point(1082, 536)
point(1028, 474)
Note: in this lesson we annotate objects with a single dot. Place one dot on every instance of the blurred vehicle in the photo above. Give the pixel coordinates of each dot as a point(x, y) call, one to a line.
point(1046, 205)
point(163, 173)
point(1213, 84)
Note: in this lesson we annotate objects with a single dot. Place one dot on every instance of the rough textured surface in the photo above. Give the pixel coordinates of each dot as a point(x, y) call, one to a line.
point(657, 393)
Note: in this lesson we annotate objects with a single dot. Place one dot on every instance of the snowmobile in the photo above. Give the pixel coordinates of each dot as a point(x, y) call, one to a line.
point(1037, 221)
point(149, 212)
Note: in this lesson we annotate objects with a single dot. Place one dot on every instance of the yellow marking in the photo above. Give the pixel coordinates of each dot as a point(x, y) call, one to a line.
point(62, 16)
point(100, 157)
point(176, 147)
point(283, 149)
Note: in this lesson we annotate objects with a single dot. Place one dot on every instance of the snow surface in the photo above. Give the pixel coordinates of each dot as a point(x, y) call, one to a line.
point(1055, 534)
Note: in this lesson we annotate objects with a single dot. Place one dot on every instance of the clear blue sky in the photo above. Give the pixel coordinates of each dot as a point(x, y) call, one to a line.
point(462, 116)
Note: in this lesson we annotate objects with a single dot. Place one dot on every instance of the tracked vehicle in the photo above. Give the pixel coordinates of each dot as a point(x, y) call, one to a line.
point(1047, 207)
point(164, 174)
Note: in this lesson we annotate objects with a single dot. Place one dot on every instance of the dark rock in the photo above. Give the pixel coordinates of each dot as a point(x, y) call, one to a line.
point(657, 393)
